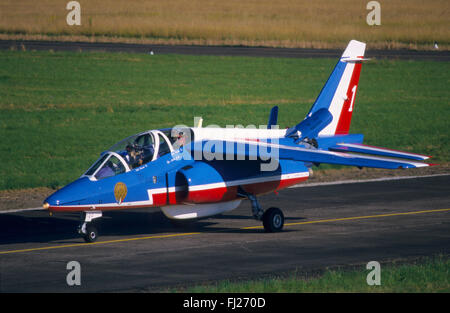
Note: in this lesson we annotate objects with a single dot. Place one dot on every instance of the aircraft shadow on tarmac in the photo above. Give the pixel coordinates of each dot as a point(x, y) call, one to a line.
point(29, 227)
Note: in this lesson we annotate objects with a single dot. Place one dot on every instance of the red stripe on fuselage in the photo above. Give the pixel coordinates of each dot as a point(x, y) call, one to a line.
point(230, 193)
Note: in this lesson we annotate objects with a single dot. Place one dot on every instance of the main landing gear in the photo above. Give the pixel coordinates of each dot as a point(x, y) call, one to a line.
point(272, 218)
point(86, 228)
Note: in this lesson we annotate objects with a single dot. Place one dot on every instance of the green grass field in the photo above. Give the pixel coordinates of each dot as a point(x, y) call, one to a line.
point(430, 275)
point(58, 111)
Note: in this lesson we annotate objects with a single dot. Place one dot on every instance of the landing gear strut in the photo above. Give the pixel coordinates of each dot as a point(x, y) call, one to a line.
point(86, 227)
point(273, 218)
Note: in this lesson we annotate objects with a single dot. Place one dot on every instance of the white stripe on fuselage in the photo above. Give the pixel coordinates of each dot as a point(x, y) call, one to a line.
point(233, 134)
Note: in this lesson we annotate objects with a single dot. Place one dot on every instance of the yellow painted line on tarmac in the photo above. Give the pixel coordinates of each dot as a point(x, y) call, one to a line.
point(198, 233)
point(357, 218)
point(98, 243)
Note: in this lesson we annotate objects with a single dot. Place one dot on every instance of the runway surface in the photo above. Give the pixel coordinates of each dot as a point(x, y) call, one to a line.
point(218, 50)
point(140, 250)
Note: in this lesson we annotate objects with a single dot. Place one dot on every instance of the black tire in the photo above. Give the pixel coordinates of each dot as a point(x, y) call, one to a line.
point(91, 234)
point(273, 220)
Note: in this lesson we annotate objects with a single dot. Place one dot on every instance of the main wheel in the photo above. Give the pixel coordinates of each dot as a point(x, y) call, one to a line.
point(273, 220)
point(91, 233)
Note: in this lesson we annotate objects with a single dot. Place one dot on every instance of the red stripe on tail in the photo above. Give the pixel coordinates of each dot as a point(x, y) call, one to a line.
point(345, 119)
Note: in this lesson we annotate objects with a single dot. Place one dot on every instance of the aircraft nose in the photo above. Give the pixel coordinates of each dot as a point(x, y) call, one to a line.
point(54, 199)
point(70, 194)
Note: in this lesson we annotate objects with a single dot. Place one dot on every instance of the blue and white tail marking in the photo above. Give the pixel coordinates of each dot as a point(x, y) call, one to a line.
point(338, 94)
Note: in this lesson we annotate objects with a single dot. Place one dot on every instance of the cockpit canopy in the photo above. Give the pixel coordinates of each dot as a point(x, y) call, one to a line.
point(137, 150)
point(109, 164)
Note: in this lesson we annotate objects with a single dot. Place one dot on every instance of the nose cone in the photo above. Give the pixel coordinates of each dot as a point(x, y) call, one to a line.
point(72, 194)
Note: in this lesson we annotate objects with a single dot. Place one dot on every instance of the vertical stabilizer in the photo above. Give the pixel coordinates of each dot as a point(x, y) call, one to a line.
point(273, 117)
point(338, 94)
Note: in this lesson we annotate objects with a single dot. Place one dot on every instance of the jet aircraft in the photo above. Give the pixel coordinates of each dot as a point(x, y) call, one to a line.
point(196, 172)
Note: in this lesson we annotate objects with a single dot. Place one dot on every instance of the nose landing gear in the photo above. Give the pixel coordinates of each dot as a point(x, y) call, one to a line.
point(86, 228)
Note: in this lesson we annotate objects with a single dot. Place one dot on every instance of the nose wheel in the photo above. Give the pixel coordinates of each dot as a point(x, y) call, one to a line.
point(86, 229)
point(91, 234)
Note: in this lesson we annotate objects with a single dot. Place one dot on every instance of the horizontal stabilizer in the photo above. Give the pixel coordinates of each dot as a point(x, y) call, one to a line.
point(361, 59)
point(360, 148)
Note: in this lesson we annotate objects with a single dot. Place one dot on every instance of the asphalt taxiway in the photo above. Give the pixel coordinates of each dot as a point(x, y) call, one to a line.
point(140, 250)
point(405, 54)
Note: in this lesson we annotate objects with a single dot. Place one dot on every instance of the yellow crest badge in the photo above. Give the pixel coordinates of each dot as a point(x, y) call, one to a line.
point(120, 192)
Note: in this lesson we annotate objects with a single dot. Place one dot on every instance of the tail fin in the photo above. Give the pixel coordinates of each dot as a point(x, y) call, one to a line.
point(273, 117)
point(338, 94)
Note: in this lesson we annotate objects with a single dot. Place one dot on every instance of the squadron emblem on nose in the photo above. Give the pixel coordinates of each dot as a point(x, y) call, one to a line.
point(120, 192)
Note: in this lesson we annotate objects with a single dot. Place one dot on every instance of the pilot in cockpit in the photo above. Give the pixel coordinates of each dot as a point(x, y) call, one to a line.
point(181, 140)
point(133, 157)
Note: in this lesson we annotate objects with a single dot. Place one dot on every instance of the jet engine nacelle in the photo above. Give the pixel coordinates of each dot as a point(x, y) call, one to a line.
point(202, 184)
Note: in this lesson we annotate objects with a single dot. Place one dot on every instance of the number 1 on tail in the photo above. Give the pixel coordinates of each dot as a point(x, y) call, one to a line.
point(350, 109)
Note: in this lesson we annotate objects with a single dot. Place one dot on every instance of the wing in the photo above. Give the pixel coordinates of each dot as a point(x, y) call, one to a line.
point(285, 148)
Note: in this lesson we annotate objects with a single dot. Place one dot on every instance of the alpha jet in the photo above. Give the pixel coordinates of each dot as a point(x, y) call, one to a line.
point(196, 172)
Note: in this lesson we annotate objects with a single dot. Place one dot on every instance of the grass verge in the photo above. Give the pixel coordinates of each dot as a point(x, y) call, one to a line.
point(423, 276)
